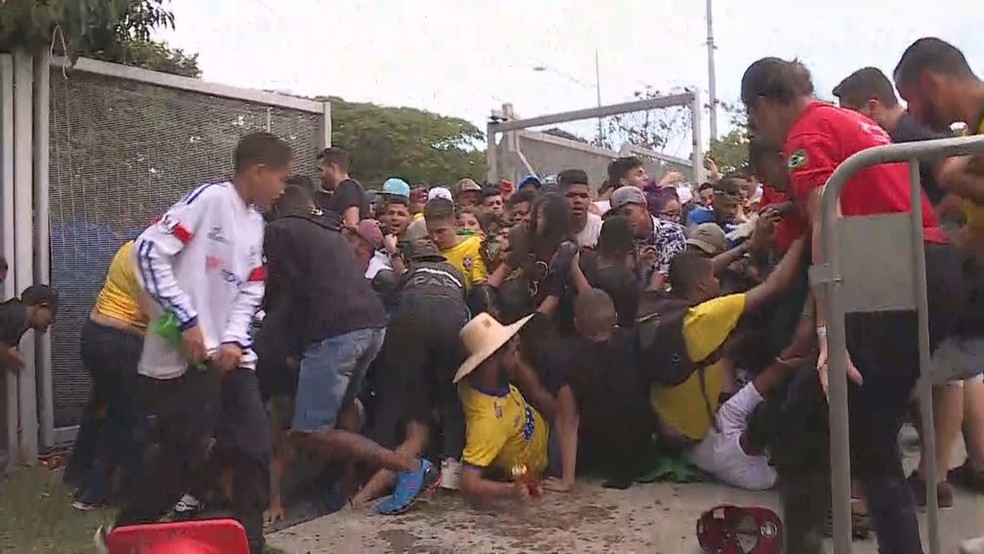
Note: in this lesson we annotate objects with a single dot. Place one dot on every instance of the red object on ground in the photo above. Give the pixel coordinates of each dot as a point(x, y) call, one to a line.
point(215, 536)
point(720, 530)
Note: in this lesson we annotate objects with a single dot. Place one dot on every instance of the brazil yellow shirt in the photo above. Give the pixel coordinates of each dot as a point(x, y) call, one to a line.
point(118, 298)
point(467, 258)
point(503, 430)
point(705, 328)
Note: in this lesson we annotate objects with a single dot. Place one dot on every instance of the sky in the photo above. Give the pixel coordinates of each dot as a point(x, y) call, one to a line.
point(464, 58)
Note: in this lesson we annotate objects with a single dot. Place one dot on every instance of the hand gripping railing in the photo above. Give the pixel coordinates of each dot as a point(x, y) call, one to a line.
point(891, 278)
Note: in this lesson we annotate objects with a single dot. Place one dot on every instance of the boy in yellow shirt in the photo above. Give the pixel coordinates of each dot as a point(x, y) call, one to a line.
point(504, 434)
point(461, 251)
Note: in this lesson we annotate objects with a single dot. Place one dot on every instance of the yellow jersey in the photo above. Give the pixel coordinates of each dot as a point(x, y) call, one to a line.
point(705, 328)
point(502, 430)
point(974, 211)
point(466, 256)
point(119, 297)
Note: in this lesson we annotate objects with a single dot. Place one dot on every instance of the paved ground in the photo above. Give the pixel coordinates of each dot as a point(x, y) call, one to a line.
point(657, 518)
point(645, 518)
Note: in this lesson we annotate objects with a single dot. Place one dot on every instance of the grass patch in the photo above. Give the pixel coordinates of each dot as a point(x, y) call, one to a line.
point(36, 514)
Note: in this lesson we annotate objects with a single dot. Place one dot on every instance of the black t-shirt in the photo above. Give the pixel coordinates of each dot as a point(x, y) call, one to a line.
point(348, 193)
point(909, 130)
point(13, 322)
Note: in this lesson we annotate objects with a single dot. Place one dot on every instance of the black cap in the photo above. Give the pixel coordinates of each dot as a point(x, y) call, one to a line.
point(41, 295)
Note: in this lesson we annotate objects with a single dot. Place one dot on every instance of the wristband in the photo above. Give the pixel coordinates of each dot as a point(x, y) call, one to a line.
point(822, 332)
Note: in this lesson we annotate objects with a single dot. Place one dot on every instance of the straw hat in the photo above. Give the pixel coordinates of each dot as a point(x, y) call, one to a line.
point(482, 336)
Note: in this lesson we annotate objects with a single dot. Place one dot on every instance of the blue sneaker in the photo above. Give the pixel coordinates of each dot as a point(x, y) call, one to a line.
point(409, 486)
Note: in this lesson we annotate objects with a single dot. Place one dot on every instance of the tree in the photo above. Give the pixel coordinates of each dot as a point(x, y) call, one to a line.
point(730, 152)
point(412, 144)
point(111, 30)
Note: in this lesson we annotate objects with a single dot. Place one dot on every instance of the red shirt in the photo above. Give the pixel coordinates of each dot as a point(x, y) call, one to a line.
point(792, 225)
point(823, 137)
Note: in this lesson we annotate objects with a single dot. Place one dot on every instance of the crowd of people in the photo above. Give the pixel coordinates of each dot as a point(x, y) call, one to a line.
point(502, 339)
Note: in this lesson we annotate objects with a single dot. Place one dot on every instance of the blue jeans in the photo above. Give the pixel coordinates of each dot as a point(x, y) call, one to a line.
point(331, 373)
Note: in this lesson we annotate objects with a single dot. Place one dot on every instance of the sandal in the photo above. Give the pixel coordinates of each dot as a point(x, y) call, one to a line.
point(860, 521)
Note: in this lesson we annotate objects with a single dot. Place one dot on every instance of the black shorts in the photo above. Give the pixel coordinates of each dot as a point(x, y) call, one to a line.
point(419, 358)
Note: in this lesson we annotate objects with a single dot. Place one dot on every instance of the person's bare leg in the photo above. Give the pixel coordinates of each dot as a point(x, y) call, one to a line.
point(947, 415)
point(335, 444)
point(415, 443)
point(973, 422)
point(282, 458)
point(349, 420)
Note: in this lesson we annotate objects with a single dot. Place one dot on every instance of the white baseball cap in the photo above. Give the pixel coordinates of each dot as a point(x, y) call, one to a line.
point(439, 192)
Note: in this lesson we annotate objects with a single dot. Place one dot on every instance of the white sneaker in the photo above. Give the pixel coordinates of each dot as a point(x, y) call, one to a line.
point(187, 508)
point(100, 538)
point(450, 474)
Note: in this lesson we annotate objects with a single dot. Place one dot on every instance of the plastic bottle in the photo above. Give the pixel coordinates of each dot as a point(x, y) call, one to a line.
point(168, 327)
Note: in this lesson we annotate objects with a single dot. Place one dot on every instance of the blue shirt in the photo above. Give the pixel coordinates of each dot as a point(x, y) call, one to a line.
point(706, 215)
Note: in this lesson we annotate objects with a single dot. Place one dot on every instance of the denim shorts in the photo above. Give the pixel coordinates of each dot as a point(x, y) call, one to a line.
point(332, 372)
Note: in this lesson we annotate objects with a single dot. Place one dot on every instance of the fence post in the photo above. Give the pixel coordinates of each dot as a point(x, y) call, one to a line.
point(11, 401)
point(42, 241)
point(324, 127)
point(491, 154)
point(697, 138)
point(23, 263)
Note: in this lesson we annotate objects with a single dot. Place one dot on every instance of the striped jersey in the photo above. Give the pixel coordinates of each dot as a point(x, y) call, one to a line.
point(203, 261)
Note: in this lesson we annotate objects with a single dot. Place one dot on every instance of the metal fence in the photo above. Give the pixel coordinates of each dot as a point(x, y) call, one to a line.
point(888, 274)
point(124, 145)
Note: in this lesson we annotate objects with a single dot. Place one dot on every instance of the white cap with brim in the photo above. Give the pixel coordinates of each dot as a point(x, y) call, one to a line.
point(482, 337)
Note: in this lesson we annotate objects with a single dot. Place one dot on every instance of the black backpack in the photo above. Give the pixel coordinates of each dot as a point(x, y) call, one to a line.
point(663, 348)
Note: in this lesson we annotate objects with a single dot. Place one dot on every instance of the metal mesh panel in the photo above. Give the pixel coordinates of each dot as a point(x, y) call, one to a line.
point(121, 152)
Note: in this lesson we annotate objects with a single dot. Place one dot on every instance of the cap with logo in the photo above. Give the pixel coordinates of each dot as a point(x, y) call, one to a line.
point(439, 192)
point(467, 185)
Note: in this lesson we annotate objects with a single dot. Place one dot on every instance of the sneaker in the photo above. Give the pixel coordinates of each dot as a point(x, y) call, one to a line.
point(450, 474)
point(409, 486)
point(186, 508)
point(966, 477)
point(944, 492)
point(101, 537)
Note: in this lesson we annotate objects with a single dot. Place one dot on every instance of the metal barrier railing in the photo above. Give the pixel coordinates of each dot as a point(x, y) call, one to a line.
point(882, 277)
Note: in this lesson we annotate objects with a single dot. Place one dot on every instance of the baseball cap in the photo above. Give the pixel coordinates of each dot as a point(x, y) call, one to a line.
point(467, 185)
point(396, 187)
point(439, 192)
point(369, 231)
point(728, 187)
point(531, 180)
point(710, 238)
point(422, 249)
point(627, 195)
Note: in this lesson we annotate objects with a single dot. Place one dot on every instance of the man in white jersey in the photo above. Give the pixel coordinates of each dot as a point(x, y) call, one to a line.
point(203, 264)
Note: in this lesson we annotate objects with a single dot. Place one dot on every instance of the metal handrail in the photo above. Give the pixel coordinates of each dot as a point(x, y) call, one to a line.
point(837, 342)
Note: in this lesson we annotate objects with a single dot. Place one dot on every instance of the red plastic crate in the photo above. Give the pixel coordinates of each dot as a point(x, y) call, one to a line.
point(214, 536)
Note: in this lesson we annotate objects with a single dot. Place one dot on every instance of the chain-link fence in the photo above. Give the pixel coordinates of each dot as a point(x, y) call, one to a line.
point(121, 152)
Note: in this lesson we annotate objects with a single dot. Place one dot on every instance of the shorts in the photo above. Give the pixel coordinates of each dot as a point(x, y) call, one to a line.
point(331, 373)
point(957, 359)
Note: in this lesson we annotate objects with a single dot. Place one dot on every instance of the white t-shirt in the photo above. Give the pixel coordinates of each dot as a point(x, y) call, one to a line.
point(588, 236)
point(378, 262)
point(603, 206)
point(721, 454)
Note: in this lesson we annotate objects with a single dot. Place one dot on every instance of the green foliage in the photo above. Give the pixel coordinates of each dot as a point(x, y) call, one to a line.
point(111, 30)
point(652, 129)
point(415, 145)
point(730, 152)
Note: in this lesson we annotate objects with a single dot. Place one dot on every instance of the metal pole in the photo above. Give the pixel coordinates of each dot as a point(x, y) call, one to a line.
point(7, 211)
point(491, 154)
point(42, 241)
point(925, 381)
point(697, 158)
point(324, 127)
point(601, 130)
point(711, 73)
point(23, 264)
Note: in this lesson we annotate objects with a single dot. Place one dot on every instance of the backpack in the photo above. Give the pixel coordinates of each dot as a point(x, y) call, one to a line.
point(664, 348)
